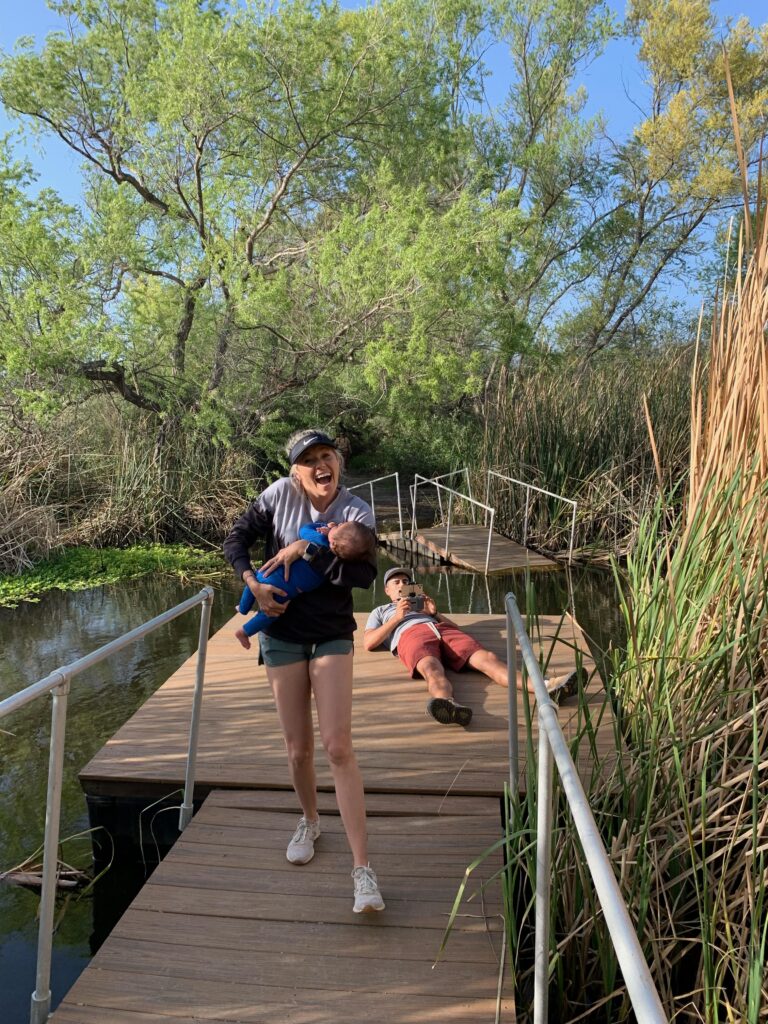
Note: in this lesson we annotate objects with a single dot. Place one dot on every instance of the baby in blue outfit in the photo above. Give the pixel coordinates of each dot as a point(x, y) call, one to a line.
point(349, 541)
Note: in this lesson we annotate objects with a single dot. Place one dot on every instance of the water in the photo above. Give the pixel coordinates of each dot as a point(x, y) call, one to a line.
point(36, 638)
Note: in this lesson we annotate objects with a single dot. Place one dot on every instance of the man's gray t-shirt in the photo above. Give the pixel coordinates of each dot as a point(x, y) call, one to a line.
point(385, 612)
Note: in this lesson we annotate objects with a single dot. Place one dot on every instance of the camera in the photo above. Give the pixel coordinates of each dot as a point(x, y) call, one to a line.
point(415, 594)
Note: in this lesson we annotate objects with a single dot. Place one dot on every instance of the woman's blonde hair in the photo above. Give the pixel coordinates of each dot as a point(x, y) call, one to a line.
point(294, 439)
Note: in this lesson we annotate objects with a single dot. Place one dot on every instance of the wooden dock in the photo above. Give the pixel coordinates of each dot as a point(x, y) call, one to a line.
point(468, 547)
point(227, 930)
point(398, 748)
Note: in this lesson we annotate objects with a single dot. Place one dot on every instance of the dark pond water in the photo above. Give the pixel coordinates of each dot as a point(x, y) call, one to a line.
point(37, 638)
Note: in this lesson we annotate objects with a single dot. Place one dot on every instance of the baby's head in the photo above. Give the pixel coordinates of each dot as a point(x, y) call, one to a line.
point(352, 541)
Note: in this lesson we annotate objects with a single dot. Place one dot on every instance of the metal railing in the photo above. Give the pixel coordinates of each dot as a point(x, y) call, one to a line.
point(422, 480)
point(553, 747)
point(378, 479)
point(528, 488)
point(58, 684)
point(444, 476)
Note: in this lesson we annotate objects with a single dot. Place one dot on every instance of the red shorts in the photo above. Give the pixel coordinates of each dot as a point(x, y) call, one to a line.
point(453, 647)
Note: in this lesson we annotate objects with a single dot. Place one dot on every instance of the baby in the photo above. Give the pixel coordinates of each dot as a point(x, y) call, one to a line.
point(349, 541)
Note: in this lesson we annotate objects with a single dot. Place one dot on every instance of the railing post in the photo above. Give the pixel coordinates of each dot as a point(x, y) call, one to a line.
point(573, 532)
point(490, 538)
point(448, 528)
point(543, 878)
point(469, 492)
point(373, 506)
point(525, 520)
point(185, 812)
point(514, 767)
point(399, 506)
point(41, 997)
point(487, 494)
point(414, 485)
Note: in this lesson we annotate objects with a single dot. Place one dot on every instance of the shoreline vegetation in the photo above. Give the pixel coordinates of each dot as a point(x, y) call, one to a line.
point(83, 567)
point(98, 480)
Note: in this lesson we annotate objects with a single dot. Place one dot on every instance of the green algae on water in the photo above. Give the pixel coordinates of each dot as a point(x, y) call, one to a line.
point(83, 567)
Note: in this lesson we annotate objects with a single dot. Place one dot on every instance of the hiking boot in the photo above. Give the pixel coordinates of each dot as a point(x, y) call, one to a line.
point(367, 895)
point(448, 712)
point(562, 687)
point(301, 848)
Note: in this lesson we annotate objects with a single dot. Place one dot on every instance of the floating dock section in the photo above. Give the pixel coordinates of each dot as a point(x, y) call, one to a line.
point(227, 930)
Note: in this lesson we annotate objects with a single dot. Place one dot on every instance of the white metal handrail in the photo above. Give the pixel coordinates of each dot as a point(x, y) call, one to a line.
point(540, 490)
point(419, 480)
point(552, 746)
point(58, 684)
point(444, 476)
point(378, 479)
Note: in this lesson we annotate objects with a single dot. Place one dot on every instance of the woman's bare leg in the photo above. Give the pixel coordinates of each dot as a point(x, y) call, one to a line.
point(331, 677)
point(291, 689)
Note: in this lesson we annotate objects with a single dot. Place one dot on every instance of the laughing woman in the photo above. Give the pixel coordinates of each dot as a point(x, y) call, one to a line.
point(309, 648)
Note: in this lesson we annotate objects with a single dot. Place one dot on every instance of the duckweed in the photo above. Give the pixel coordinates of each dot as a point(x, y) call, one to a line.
point(83, 567)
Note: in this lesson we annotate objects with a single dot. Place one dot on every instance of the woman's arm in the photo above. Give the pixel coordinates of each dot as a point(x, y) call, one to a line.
point(253, 524)
point(345, 574)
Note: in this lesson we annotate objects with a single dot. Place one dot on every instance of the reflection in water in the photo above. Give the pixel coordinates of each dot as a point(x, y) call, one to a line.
point(37, 638)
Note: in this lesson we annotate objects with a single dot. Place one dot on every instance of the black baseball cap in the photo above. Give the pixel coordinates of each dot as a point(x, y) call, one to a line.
point(396, 571)
point(308, 441)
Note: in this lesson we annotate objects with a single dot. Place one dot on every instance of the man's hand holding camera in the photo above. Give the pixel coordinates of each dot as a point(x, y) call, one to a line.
point(402, 608)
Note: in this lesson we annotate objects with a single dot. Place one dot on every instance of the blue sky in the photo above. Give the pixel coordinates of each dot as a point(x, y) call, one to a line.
point(614, 82)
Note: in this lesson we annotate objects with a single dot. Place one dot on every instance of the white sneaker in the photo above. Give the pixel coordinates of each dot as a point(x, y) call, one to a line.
point(301, 848)
point(367, 895)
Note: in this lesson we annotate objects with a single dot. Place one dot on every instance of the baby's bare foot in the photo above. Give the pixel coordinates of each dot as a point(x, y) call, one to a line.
point(243, 639)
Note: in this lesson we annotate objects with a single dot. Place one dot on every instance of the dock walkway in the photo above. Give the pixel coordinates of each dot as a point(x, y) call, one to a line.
point(227, 930)
point(398, 748)
point(468, 547)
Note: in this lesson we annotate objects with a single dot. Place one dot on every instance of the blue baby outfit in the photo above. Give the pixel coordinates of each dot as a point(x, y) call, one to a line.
point(302, 578)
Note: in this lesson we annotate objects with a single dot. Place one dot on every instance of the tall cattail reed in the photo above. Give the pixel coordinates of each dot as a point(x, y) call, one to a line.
point(694, 688)
point(684, 813)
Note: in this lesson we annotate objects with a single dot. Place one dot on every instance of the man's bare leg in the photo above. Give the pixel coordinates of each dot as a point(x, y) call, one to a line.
point(432, 671)
point(441, 706)
point(487, 663)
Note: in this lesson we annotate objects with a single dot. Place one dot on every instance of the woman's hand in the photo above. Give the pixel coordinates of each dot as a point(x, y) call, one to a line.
point(285, 557)
point(265, 596)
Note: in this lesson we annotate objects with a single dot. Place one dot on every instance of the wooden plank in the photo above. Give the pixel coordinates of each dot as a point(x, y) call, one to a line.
point(250, 1004)
point(399, 749)
point(266, 823)
point(314, 937)
point(217, 941)
point(450, 864)
point(291, 969)
point(392, 805)
point(468, 547)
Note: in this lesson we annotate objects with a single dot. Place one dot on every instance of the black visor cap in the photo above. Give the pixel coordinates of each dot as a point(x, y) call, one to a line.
point(309, 441)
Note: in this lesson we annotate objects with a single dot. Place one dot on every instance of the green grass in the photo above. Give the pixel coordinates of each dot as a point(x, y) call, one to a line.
point(83, 567)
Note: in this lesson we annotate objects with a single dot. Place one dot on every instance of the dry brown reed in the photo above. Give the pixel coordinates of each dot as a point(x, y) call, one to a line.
point(579, 430)
point(694, 840)
point(28, 519)
point(685, 814)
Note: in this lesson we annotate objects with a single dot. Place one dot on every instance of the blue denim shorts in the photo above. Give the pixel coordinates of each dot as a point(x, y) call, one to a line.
point(274, 652)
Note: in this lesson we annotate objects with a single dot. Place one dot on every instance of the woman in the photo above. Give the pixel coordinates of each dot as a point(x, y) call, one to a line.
point(309, 648)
